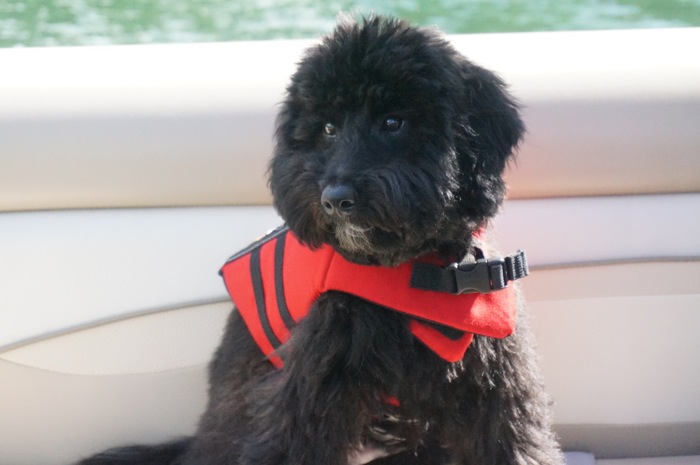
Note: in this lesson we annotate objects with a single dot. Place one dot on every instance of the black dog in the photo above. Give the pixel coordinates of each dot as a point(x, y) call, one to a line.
point(389, 159)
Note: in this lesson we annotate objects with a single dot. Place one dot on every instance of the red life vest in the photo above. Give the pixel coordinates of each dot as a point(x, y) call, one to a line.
point(275, 280)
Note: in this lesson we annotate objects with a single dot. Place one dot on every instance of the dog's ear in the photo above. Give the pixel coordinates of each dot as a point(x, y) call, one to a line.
point(492, 115)
point(488, 130)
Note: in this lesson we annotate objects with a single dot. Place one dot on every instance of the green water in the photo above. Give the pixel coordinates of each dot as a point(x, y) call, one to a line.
point(99, 22)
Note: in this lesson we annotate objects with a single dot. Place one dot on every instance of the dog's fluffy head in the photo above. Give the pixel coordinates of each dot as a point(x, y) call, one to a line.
point(391, 144)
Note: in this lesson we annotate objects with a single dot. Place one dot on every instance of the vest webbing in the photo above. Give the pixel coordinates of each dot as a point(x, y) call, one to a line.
point(274, 282)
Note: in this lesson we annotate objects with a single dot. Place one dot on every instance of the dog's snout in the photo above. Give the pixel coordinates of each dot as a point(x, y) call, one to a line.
point(338, 198)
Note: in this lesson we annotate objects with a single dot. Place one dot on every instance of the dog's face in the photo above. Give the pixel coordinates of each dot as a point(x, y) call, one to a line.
point(390, 144)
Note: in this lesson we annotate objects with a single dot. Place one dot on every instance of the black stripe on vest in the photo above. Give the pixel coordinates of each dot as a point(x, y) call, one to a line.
point(280, 230)
point(259, 293)
point(279, 283)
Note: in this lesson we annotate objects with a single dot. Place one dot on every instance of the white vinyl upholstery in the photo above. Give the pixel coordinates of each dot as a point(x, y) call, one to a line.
point(77, 268)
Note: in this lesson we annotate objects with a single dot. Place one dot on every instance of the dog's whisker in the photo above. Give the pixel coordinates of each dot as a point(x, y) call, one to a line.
point(353, 238)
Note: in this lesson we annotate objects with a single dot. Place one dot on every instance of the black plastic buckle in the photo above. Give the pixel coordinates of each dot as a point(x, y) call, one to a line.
point(484, 276)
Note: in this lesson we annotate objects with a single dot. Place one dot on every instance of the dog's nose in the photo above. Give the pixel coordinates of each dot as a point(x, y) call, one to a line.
point(338, 198)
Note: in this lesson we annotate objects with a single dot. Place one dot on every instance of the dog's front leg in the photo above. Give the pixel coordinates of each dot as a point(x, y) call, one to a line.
point(512, 425)
point(316, 408)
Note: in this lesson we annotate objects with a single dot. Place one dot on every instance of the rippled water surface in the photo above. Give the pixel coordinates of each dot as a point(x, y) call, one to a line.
point(98, 22)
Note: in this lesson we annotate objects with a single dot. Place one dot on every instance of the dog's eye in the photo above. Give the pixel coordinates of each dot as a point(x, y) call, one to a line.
point(392, 124)
point(330, 130)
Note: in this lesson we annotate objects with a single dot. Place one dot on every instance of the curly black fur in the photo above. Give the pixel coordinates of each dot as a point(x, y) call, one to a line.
point(417, 138)
point(427, 185)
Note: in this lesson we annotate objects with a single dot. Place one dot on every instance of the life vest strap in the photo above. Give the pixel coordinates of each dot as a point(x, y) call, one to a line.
point(483, 276)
